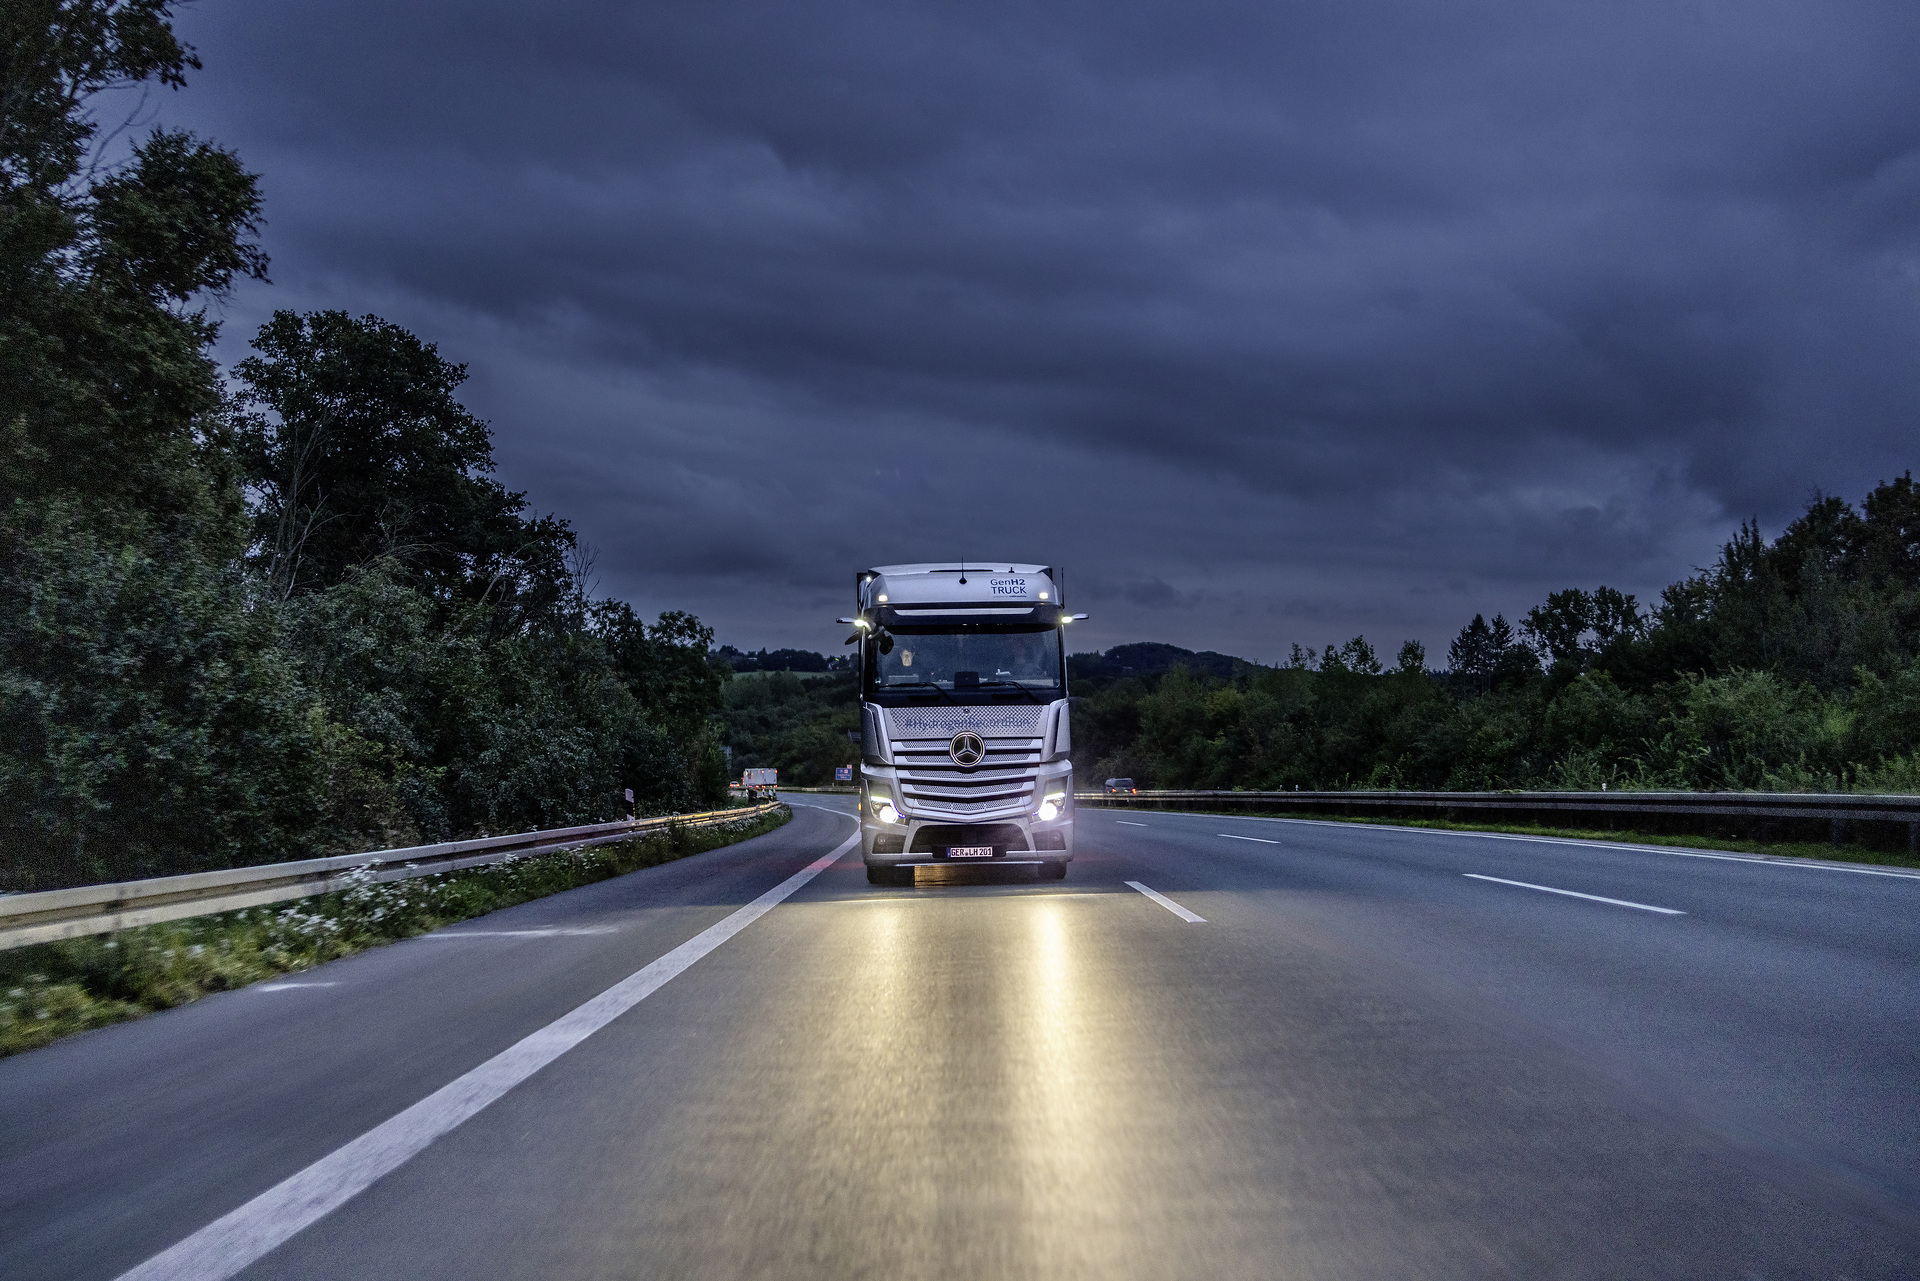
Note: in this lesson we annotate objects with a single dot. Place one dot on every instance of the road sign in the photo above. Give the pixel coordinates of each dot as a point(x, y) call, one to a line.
point(843, 773)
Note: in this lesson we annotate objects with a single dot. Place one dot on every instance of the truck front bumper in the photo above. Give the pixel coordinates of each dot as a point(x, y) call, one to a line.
point(920, 842)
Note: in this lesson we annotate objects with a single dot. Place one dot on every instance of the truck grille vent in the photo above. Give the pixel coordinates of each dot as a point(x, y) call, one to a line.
point(936, 837)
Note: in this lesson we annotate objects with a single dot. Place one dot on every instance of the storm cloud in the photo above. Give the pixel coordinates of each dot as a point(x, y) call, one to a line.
point(1273, 322)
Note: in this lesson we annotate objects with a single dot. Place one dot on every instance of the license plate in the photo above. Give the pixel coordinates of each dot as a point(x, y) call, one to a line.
point(969, 851)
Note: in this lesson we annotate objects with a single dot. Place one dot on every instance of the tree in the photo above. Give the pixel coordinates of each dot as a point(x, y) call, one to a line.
point(1354, 656)
point(675, 756)
point(1559, 625)
point(147, 710)
point(1886, 547)
point(1615, 616)
point(105, 385)
point(1473, 652)
point(1487, 654)
point(1839, 590)
point(357, 450)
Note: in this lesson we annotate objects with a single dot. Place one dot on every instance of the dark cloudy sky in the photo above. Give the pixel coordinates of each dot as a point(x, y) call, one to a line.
point(1273, 321)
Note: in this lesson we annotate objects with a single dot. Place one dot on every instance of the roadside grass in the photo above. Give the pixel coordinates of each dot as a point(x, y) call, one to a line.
point(51, 990)
point(1780, 849)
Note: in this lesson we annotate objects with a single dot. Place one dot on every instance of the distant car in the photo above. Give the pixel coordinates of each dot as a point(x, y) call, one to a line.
point(1121, 785)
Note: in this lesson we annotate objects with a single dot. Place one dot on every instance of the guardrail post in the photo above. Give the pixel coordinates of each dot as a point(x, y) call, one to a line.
point(1837, 833)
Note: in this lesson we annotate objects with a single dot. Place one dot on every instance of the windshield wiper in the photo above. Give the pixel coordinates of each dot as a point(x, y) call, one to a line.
point(1012, 685)
point(932, 686)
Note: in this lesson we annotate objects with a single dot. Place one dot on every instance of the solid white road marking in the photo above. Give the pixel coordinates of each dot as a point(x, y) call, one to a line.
point(1230, 836)
point(231, 1243)
point(555, 932)
point(1123, 822)
point(1169, 904)
point(281, 987)
point(1765, 860)
point(1548, 889)
point(1774, 860)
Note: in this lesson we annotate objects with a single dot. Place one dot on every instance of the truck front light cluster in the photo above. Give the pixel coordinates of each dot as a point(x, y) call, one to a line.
point(1050, 806)
point(880, 805)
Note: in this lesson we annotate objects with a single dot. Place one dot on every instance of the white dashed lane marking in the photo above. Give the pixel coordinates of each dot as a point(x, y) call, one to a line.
point(1591, 898)
point(1168, 903)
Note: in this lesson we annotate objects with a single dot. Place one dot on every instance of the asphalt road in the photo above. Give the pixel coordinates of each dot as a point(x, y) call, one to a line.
point(1364, 1061)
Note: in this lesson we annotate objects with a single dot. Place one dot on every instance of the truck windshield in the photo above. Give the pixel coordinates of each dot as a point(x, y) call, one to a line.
point(988, 664)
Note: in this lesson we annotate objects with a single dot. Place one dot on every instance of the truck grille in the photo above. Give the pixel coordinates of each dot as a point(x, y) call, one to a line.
point(931, 785)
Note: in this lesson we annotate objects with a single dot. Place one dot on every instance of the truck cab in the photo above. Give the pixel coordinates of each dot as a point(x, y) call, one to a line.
point(964, 740)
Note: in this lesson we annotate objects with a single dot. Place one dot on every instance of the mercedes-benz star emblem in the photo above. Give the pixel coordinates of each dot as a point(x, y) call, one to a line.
point(967, 749)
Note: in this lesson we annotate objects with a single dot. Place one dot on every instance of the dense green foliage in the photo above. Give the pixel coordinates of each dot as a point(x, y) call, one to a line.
point(53, 989)
point(782, 660)
point(1792, 664)
point(795, 724)
point(283, 615)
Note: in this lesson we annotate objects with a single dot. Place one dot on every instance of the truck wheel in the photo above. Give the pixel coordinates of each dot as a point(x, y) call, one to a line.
point(1053, 871)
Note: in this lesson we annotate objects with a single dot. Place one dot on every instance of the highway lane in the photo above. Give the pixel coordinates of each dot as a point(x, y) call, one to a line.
point(1361, 1063)
point(1783, 1009)
point(116, 1143)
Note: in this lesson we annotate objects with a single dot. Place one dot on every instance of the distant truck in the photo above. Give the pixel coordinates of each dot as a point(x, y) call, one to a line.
point(760, 782)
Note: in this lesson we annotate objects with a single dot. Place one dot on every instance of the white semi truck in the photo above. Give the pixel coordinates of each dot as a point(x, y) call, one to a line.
point(964, 741)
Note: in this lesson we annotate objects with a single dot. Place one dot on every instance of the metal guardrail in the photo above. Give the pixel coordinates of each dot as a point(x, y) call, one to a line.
point(1835, 809)
point(49, 915)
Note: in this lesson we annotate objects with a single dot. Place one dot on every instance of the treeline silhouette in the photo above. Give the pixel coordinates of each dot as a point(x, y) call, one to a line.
point(285, 610)
point(780, 660)
point(1790, 664)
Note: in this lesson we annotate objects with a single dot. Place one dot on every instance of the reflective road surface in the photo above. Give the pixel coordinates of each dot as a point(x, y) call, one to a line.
point(1314, 1050)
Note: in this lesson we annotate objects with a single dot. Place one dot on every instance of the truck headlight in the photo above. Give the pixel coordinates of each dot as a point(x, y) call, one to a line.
point(1050, 806)
point(880, 805)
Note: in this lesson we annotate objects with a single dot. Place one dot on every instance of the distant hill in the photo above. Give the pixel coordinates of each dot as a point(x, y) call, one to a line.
point(1148, 658)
